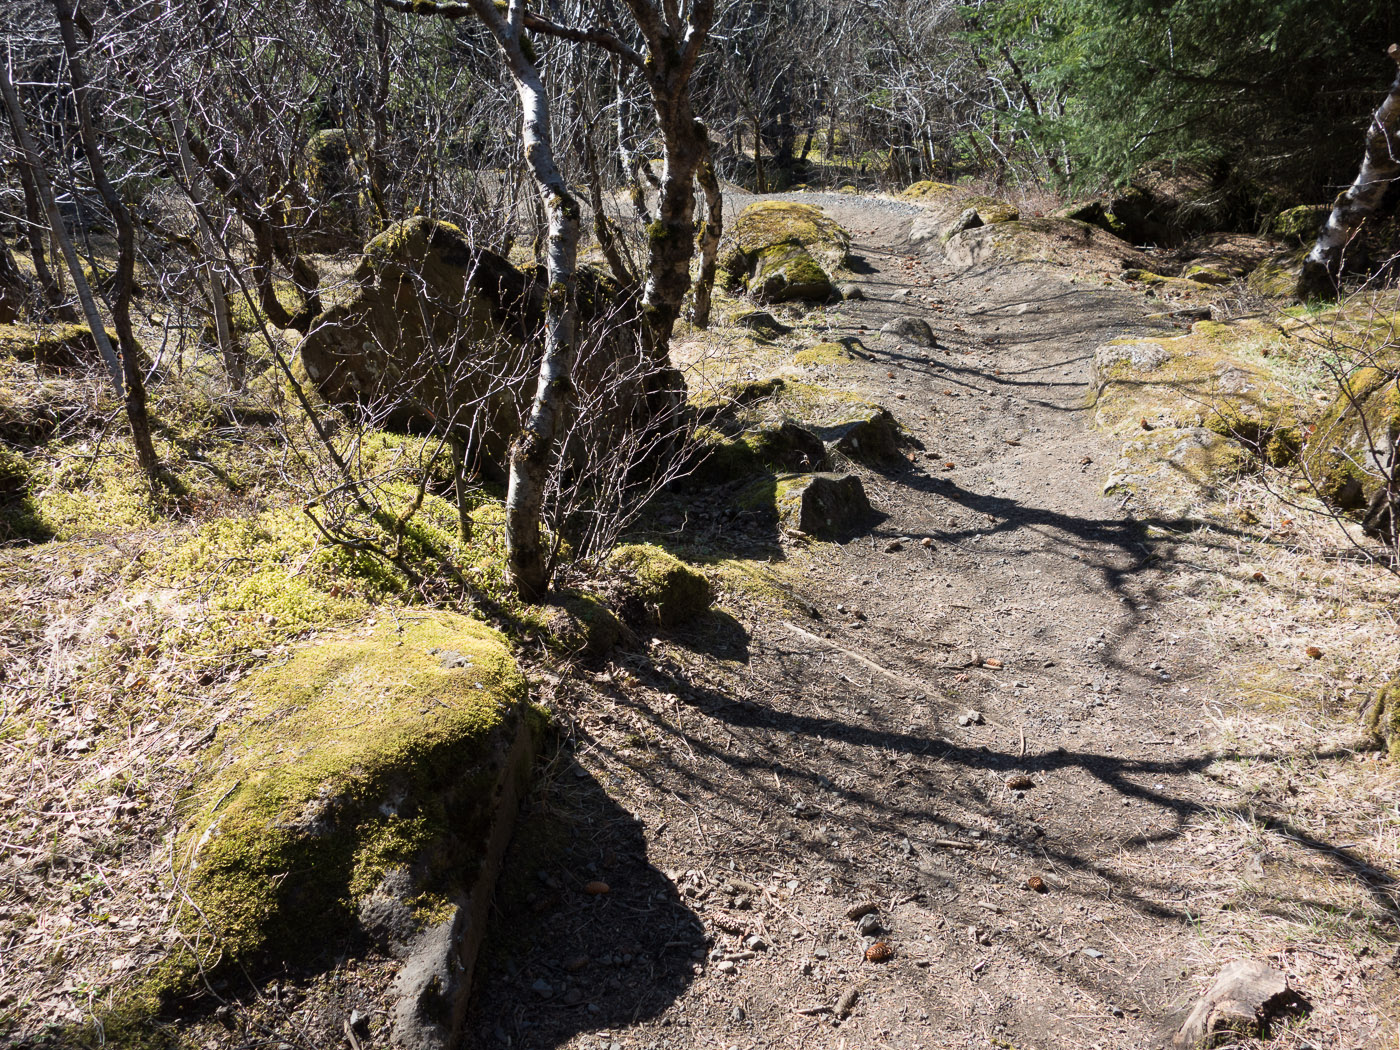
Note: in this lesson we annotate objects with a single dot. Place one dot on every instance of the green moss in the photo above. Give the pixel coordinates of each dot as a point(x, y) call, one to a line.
point(992, 210)
point(783, 250)
point(1383, 718)
point(671, 591)
point(1277, 277)
point(927, 189)
point(358, 755)
point(1340, 457)
point(1205, 274)
point(19, 519)
point(582, 624)
point(1300, 224)
point(823, 354)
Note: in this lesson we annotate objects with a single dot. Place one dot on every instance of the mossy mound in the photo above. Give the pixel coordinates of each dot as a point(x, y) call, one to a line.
point(1055, 242)
point(823, 354)
point(926, 190)
point(1179, 471)
point(728, 399)
point(582, 625)
point(1219, 258)
point(19, 519)
point(1175, 287)
point(1277, 276)
point(761, 323)
point(1382, 718)
point(874, 437)
point(1206, 379)
point(1301, 224)
point(1349, 454)
point(333, 182)
point(350, 799)
point(823, 506)
point(784, 252)
point(667, 591)
point(56, 348)
point(772, 446)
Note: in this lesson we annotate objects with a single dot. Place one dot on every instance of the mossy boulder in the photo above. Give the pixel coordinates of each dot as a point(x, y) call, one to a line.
point(1382, 718)
point(437, 331)
point(1301, 224)
point(1055, 242)
point(727, 399)
point(1210, 379)
point(783, 252)
point(874, 437)
point(823, 506)
point(1178, 471)
point(926, 190)
point(1350, 455)
point(666, 590)
point(354, 797)
point(334, 184)
point(772, 446)
point(57, 348)
point(582, 625)
point(761, 323)
point(1277, 276)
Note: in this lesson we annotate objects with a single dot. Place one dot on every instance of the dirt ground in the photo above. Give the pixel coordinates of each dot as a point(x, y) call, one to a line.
point(1004, 681)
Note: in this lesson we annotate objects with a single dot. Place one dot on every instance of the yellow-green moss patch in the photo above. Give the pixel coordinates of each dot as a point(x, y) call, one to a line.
point(669, 590)
point(823, 354)
point(362, 754)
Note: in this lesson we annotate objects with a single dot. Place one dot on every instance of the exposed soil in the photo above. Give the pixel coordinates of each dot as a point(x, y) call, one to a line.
point(762, 773)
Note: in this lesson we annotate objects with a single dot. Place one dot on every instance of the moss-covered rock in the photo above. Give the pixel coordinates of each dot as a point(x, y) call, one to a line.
point(761, 323)
point(1350, 454)
point(439, 332)
point(351, 798)
point(1057, 242)
point(333, 183)
point(1301, 224)
point(1382, 718)
point(772, 446)
point(1178, 471)
point(824, 506)
point(56, 348)
point(1277, 276)
point(874, 437)
point(669, 591)
point(582, 625)
point(926, 190)
point(785, 251)
point(1207, 379)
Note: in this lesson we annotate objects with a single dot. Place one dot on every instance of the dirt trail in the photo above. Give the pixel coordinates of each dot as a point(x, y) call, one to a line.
point(764, 777)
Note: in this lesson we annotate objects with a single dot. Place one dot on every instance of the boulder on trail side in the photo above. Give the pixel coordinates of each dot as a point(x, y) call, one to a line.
point(1055, 242)
point(1216, 377)
point(823, 506)
point(914, 330)
point(1351, 456)
point(784, 251)
point(875, 438)
point(660, 587)
point(367, 796)
point(437, 331)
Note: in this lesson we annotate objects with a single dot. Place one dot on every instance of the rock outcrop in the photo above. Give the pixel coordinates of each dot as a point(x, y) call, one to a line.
point(784, 251)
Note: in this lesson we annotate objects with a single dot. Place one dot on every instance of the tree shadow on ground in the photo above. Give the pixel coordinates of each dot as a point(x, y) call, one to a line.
point(561, 959)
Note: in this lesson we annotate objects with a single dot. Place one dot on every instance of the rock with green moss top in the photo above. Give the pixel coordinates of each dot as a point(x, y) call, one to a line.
point(438, 331)
point(823, 354)
point(978, 212)
point(774, 446)
point(1057, 242)
point(1301, 224)
point(1350, 455)
point(1382, 718)
point(1209, 379)
point(722, 400)
point(785, 252)
point(1178, 472)
point(927, 190)
point(1277, 276)
point(354, 798)
point(1205, 272)
point(667, 590)
point(582, 625)
point(875, 438)
point(57, 348)
point(339, 206)
point(824, 506)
